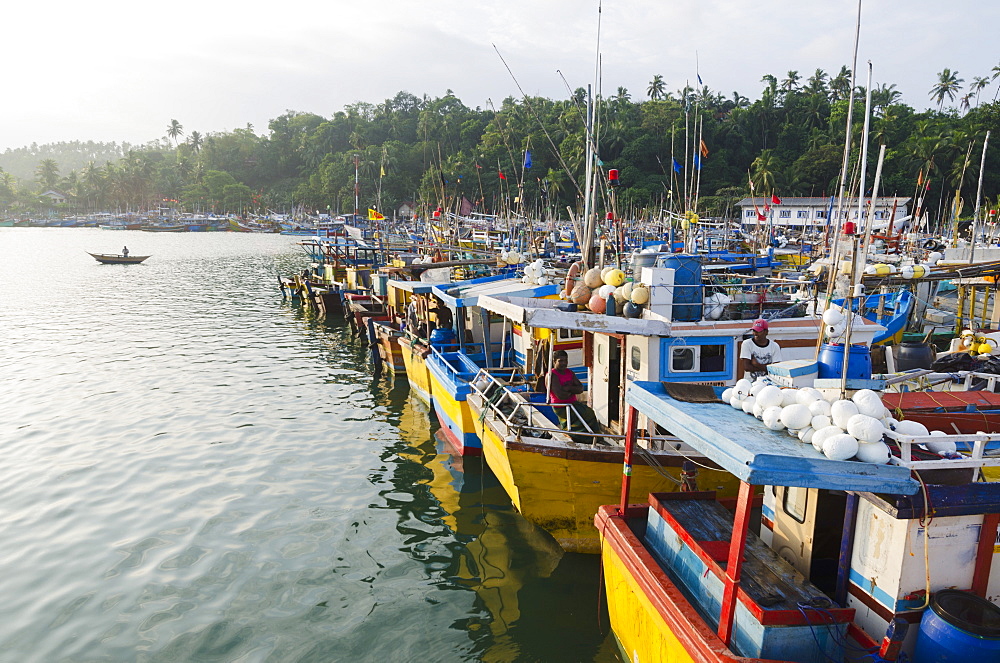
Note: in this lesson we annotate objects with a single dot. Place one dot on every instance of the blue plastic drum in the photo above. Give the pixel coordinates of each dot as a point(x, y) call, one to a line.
point(958, 627)
point(831, 361)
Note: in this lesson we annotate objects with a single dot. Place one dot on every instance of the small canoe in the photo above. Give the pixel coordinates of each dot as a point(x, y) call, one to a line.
point(117, 259)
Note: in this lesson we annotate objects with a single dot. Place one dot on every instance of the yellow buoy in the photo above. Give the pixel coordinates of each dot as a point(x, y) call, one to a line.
point(615, 277)
point(640, 295)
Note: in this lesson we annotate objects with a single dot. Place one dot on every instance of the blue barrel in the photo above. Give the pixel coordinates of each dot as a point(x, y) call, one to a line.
point(831, 361)
point(958, 627)
point(687, 285)
point(444, 339)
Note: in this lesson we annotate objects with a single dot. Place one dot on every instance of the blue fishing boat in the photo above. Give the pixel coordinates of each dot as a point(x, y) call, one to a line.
point(890, 309)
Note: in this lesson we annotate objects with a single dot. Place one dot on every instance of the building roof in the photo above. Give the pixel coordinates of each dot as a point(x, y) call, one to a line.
point(821, 201)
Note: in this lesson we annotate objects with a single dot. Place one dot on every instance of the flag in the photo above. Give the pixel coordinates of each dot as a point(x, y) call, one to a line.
point(381, 171)
point(478, 167)
point(527, 158)
point(699, 79)
point(374, 216)
point(502, 176)
point(697, 162)
point(465, 207)
point(920, 178)
point(775, 200)
point(677, 166)
point(761, 217)
point(704, 149)
point(767, 208)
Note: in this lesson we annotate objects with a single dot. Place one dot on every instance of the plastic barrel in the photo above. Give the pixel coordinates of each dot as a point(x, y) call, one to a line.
point(687, 285)
point(958, 627)
point(444, 339)
point(831, 361)
point(913, 355)
point(640, 260)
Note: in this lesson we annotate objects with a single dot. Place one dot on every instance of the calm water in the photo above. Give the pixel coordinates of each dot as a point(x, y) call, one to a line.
point(192, 469)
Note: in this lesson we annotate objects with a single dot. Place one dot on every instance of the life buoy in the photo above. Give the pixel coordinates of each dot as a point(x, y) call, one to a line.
point(571, 275)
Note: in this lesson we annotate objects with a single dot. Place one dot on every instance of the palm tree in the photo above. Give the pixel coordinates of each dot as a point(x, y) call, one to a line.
point(174, 130)
point(948, 85)
point(978, 83)
point(195, 140)
point(840, 85)
point(763, 172)
point(817, 82)
point(656, 88)
point(791, 82)
point(47, 173)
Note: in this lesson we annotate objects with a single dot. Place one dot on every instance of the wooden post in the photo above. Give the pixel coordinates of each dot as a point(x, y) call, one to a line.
point(847, 542)
point(984, 553)
point(631, 433)
point(958, 312)
point(734, 566)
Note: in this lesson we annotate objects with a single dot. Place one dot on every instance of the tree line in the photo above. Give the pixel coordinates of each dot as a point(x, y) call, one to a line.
point(668, 147)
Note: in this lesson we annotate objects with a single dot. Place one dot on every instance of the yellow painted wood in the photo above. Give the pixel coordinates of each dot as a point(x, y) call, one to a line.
point(416, 371)
point(643, 634)
point(562, 496)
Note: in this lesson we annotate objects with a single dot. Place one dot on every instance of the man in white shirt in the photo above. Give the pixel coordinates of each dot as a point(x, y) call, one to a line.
point(757, 352)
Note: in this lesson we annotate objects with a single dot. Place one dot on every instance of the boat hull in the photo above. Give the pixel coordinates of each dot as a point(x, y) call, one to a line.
point(454, 414)
point(649, 614)
point(111, 259)
point(415, 362)
point(560, 486)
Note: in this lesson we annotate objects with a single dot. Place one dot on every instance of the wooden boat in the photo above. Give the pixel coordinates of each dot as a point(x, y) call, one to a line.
point(891, 310)
point(839, 566)
point(117, 259)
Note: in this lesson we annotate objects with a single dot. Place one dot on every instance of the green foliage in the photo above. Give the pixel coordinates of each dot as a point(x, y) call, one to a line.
point(434, 151)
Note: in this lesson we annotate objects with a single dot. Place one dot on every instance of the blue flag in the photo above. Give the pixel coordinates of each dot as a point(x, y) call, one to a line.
point(697, 162)
point(699, 79)
point(527, 158)
point(677, 166)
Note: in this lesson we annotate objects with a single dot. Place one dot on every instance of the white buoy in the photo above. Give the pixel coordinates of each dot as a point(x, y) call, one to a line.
point(819, 407)
point(820, 436)
point(727, 394)
point(769, 396)
point(821, 421)
point(795, 416)
point(865, 428)
point(842, 411)
point(789, 397)
point(869, 403)
point(875, 452)
point(748, 404)
point(840, 447)
point(772, 418)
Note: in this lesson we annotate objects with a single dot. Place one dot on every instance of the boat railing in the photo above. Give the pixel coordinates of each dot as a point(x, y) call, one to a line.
point(521, 414)
point(974, 458)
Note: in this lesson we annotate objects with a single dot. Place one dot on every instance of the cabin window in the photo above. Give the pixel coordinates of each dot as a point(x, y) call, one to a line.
point(794, 502)
point(750, 214)
point(696, 359)
point(567, 334)
point(802, 214)
point(682, 360)
point(600, 355)
point(820, 214)
point(636, 357)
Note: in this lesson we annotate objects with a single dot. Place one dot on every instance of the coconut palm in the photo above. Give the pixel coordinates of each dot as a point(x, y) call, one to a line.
point(195, 140)
point(978, 83)
point(175, 129)
point(763, 172)
point(47, 173)
point(840, 85)
point(656, 88)
point(791, 82)
point(948, 85)
point(816, 84)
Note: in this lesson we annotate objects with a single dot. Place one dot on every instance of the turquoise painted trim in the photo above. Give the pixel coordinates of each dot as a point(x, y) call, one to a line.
point(767, 512)
point(879, 594)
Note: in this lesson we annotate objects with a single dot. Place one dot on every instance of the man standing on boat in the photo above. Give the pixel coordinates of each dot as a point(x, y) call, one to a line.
point(124, 252)
point(563, 388)
point(757, 352)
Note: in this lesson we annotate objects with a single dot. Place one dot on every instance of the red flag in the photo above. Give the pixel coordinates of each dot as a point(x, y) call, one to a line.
point(767, 208)
point(502, 176)
point(761, 217)
point(775, 200)
point(704, 149)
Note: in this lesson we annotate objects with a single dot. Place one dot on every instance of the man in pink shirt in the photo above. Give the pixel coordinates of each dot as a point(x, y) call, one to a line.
point(563, 389)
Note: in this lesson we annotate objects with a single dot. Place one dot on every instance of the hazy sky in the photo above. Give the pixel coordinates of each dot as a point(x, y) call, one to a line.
point(108, 70)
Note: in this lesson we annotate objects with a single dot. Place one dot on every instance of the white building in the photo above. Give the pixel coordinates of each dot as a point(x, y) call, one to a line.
point(817, 212)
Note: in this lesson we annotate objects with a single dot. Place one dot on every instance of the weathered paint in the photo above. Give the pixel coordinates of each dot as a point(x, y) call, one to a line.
point(741, 445)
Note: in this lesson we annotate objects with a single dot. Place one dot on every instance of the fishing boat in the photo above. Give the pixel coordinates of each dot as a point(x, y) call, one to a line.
point(117, 259)
point(671, 342)
point(854, 561)
point(891, 310)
